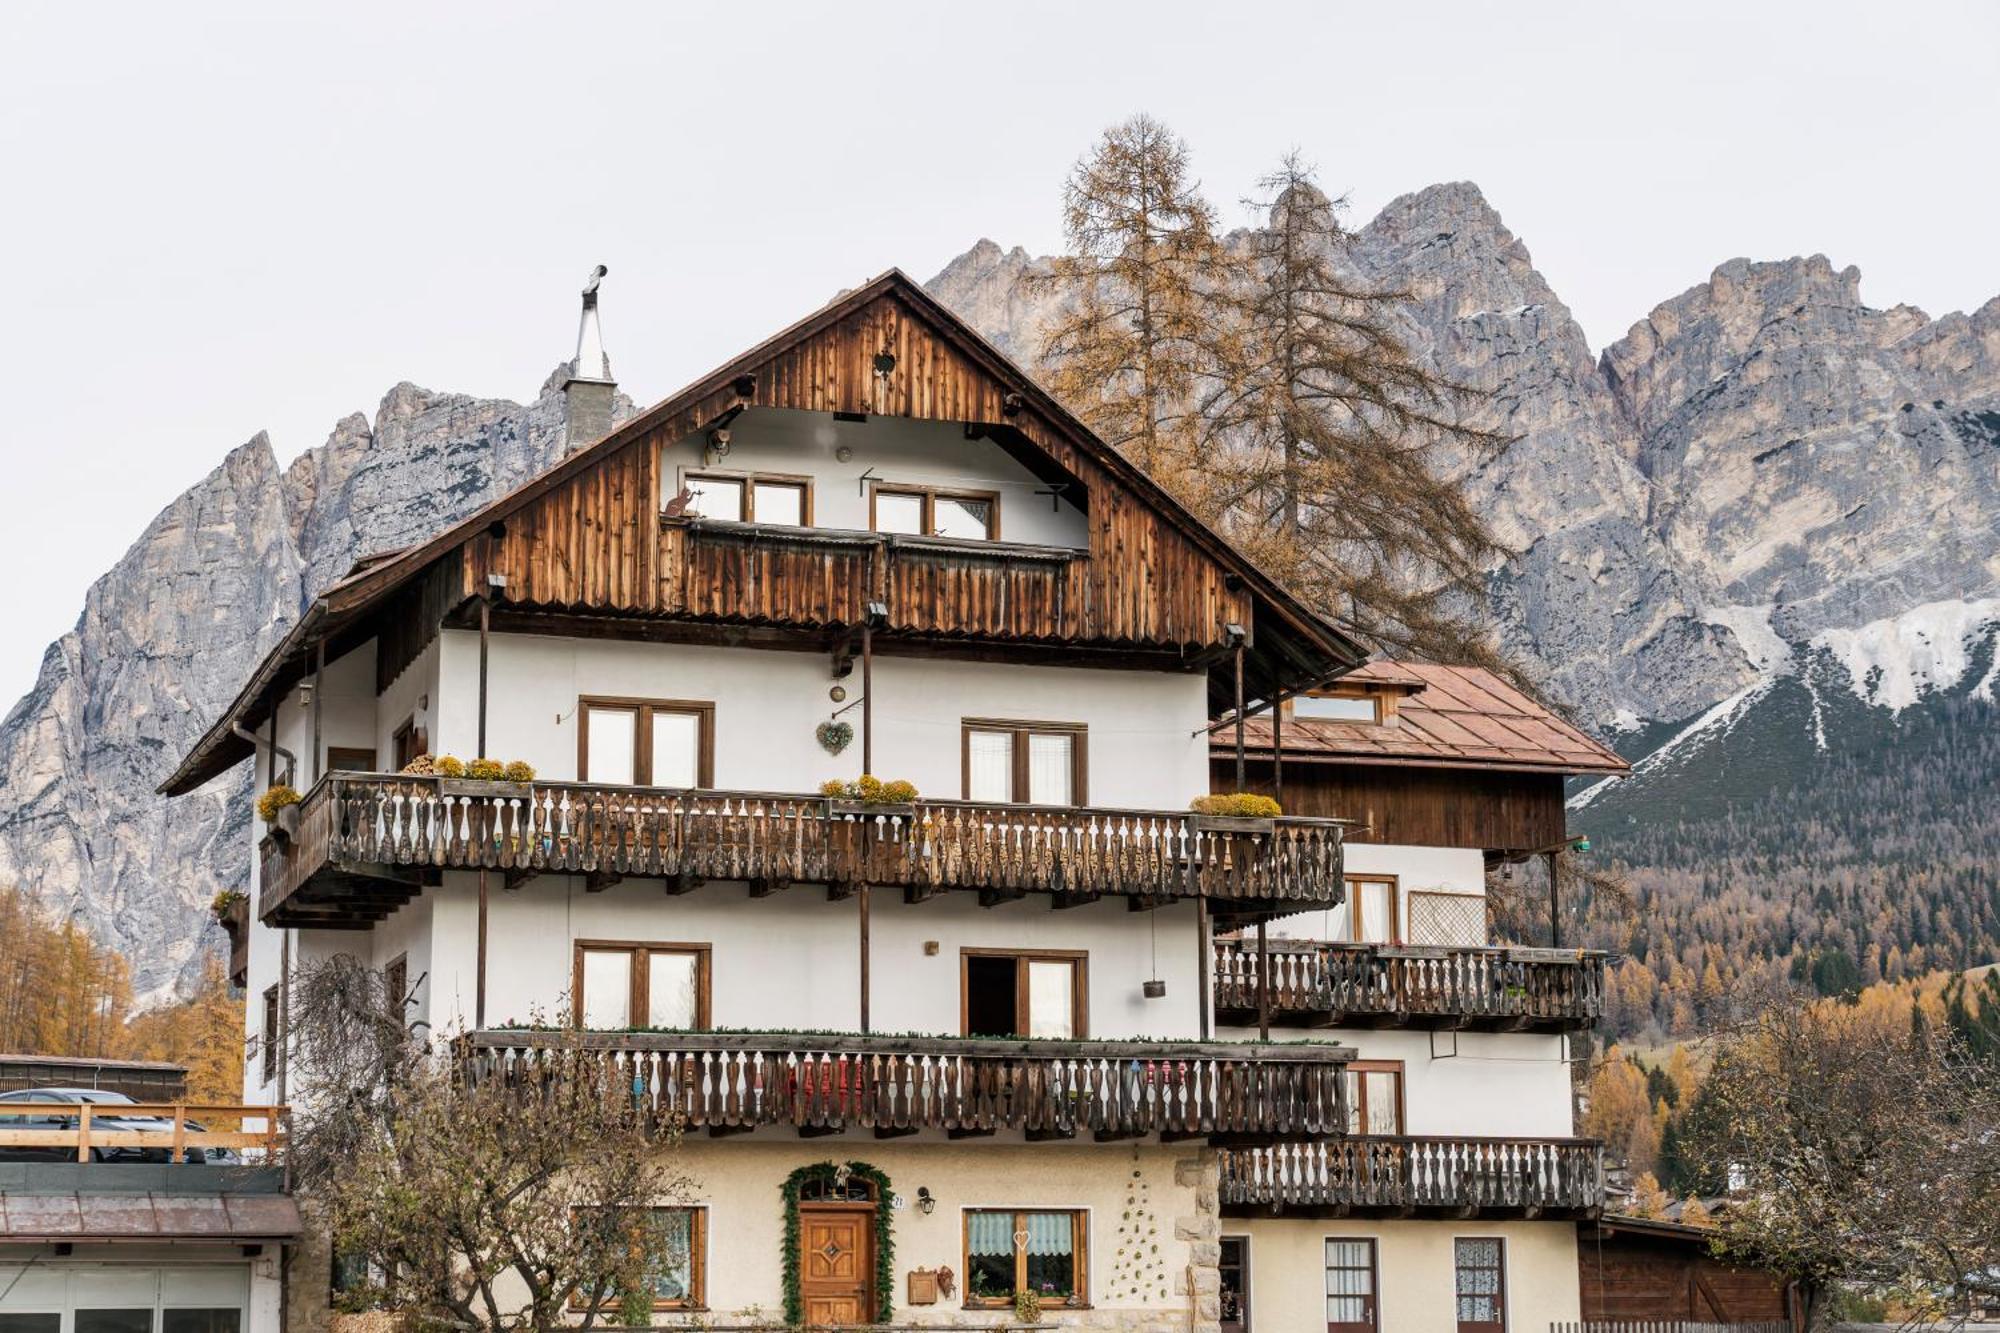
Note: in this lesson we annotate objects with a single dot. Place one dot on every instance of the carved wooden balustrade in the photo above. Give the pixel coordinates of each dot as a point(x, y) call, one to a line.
point(1405, 1176)
point(1377, 985)
point(359, 843)
point(736, 1082)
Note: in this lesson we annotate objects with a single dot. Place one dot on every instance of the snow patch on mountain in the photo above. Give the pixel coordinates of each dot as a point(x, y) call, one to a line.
point(1714, 722)
point(1764, 646)
point(1894, 661)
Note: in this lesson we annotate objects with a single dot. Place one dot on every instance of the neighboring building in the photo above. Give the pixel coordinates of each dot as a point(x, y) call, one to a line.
point(1459, 1107)
point(1636, 1269)
point(141, 1080)
point(997, 997)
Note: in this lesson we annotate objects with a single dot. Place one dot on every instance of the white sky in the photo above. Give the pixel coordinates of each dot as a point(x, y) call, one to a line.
point(225, 218)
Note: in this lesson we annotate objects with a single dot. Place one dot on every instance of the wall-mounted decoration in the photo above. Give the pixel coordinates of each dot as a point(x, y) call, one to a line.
point(923, 1287)
point(834, 736)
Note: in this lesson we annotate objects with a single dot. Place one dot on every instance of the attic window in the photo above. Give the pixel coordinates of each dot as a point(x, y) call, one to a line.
point(1344, 706)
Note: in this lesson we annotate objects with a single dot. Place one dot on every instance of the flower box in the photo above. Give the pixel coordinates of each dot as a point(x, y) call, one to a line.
point(1232, 824)
point(485, 788)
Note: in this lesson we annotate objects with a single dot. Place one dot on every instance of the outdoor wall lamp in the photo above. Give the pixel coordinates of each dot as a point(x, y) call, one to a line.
point(925, 1203)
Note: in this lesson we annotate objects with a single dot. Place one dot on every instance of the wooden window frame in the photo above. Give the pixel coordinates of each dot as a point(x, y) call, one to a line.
point(642, 734)
point(1500, 1295)
point(271, 1013)
point(1353, 905)
point(1244, 1268)
point(697, 1264)
point(930, 496)
point(398, 994)
point(639, 1001)
point(751, 480)
point(1384, 705)
point(1022, 729)
point(1079, 985)
point(1374, 1278)
point(1080, 1256)
point(419, 741)
point(1359, 1109)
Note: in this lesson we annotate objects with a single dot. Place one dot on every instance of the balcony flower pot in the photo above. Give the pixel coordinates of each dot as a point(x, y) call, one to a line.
point(1232, 824)
point(485, 788)
point(869, 810)
point(285, 824)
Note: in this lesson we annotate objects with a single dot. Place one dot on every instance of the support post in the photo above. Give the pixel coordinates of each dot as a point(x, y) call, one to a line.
point(319, 694)
point(1278, 753)
point(1201, 961)
point(479, 983)
point(862, 895)
point(1555, 904)
point(1263, 983)
point(1241, 768)
point(485, 626)
point(867, 695)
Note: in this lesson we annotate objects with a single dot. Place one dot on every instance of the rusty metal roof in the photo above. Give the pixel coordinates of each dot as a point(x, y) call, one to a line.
point(44, 1202)
point(1456, 717)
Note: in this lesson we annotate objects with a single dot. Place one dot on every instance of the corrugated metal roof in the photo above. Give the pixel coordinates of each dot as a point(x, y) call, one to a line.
point(147, 1216)
point(1458, 717)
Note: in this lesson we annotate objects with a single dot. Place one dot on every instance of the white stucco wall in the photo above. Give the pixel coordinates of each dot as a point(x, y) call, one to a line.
point(1415, 1269)
point(1141, 751)
point(881, 450)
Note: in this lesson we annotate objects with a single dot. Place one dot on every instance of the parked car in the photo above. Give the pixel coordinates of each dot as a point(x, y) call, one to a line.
point(105, 1117)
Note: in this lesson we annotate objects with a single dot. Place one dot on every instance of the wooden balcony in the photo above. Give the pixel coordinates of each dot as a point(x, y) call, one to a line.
point(360, 844)
point(167, 1131)
point(235, 923)
point(1318, 984)
point(731, 1083)
point(1416, 1177)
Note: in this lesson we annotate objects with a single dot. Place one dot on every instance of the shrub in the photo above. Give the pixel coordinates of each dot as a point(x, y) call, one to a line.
point(833, 787)
point(449, 766)
point(899, 792)
point(485, 770)
point(1242, 804)
point(274, 800)
point(422, 766)
point(520, 770)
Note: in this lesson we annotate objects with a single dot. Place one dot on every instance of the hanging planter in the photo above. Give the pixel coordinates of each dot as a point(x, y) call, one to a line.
point(834, 736)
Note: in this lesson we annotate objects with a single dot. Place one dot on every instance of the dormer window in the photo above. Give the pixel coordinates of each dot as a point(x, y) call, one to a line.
point(929, 511)
point(750, 497)
point(1339, 707)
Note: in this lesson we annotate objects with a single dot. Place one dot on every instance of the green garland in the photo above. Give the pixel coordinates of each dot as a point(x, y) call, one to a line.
point(885, 1246)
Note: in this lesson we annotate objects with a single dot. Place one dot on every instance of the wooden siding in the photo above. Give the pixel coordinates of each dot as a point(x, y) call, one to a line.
point(1627, 1276)
point(595, 542)
point(1419, 806)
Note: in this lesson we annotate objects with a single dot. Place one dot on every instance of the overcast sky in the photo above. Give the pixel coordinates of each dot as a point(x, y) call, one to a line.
point(220, 219)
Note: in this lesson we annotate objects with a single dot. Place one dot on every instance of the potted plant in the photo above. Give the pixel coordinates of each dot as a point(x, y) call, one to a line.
point(1027, 1306)
point(279, 807)
point(869, 795)
point(1234, 812)
point(484, 777)
point(225, 906)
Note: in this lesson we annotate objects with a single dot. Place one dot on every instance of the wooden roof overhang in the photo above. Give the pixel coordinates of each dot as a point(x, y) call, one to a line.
point(585, 539)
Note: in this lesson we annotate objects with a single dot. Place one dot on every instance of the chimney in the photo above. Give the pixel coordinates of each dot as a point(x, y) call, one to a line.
point(588, 392)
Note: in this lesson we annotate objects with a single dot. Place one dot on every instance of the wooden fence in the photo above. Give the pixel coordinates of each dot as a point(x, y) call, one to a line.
point(80, 1128)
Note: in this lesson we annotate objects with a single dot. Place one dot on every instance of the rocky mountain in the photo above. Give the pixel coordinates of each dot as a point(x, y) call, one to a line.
point(167, 636)
point(1764, 492)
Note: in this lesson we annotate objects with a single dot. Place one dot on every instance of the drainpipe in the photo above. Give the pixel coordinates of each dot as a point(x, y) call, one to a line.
point(270, 747)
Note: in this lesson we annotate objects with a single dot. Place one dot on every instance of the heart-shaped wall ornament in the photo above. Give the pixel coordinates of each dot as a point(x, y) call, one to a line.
point(834, 736)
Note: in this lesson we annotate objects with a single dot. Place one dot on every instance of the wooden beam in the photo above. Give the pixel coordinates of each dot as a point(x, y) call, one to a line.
point(597, 881)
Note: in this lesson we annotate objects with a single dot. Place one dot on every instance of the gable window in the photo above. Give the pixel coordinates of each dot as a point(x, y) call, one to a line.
point(750, 497)
point(676, 1276)
point(1350, 1287)
point(620, 985)
point(1374, 1096)
point(1009, 1250)
point(646, 742)
point(1481, 1264)
point(930, 511)
point(1043, 993)
point(270, 1051)
point(1369, 915)
point(1025, 763)
point(1339, 706)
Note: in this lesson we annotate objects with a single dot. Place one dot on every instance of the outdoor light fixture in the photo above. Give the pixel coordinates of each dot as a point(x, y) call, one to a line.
point(1234, 633)
point(1154, 989)
point(925, 1203)
point(838, 693)
point(878, 612)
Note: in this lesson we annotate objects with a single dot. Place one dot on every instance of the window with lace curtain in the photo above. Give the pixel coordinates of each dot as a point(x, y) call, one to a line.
point(1024, 763)
point(1010, 1250)
point(1481, 1263)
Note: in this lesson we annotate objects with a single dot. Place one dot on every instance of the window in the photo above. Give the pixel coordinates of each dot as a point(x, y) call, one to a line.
point(1038, 994)
point(350, 759)
point(678, 1271)
point(1374, 1096)
point(220, 1319)
point(396, 982)
point(1370, 916)
point(1235, 1287)
point(1339, 707)
point(1482, 1284)
point(270, 1033)
point(647, 742)
point(409, 742)
point(114, 1321)
point(1008, 1251)
point(1027, 763)
point(1350, 1287)
point(750, 497)
point(619, 985)
point(930, 512)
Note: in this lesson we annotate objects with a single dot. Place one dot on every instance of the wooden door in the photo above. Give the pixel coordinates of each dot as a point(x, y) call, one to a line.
point(837, 1263)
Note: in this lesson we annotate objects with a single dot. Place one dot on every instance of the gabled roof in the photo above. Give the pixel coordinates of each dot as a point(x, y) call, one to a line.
point(1458, 717)
point(374, 579)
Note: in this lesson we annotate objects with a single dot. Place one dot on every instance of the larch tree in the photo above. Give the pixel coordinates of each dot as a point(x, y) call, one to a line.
point(1127, 347)
point(1340, 448)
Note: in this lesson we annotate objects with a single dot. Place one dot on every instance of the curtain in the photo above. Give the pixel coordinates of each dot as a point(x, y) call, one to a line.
point(1051, 1233)
point(990, 1234)
point(990, 766)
